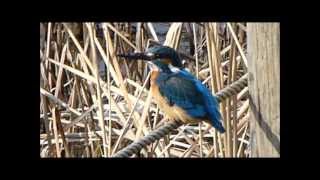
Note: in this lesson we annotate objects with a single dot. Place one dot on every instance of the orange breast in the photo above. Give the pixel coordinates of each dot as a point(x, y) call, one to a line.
point(160, 100)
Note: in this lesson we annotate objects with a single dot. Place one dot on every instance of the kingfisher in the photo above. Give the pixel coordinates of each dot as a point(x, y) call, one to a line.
point(180, 95)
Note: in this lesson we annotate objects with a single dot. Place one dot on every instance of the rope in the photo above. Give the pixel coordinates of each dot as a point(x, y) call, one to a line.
point(157, 134)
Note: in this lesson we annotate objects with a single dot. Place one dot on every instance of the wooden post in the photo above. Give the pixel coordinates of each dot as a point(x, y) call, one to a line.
point(264, 88)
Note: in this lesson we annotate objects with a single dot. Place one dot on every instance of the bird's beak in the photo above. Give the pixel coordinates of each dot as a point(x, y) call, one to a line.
point(135, 56)
point(146, 56)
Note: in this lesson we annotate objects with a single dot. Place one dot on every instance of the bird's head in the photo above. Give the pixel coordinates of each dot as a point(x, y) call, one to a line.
point(163, 57)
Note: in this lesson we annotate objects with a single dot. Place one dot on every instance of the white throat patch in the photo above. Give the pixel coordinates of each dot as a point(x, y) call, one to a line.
point(173, 69)
point(152, 66)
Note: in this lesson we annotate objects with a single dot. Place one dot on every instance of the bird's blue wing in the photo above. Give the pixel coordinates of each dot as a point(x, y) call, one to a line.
point(181, 91)
point(190, 94)
point(212, 106)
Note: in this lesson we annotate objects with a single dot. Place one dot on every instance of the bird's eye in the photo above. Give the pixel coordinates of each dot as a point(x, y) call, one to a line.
point(151, 55)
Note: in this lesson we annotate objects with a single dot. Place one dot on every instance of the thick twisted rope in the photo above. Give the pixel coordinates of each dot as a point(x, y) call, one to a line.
point(157, 134)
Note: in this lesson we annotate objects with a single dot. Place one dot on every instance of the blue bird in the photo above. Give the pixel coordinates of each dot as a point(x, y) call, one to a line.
point(177, 92)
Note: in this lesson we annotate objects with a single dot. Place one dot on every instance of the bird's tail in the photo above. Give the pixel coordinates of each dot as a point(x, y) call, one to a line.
point(216, 119)
point(218, 126)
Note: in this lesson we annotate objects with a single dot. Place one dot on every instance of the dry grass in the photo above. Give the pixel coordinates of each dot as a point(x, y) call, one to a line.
point(89, 112)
